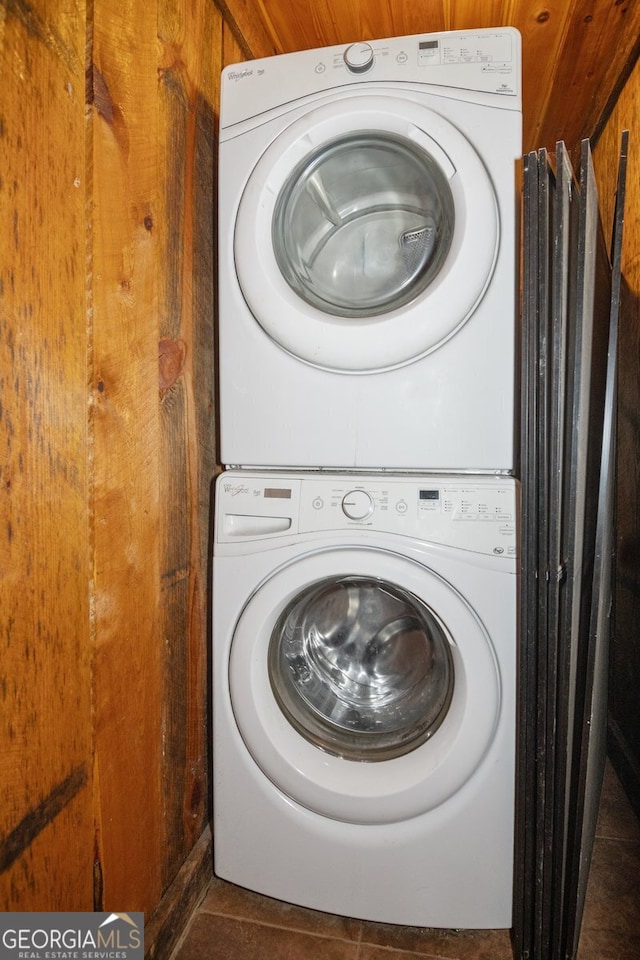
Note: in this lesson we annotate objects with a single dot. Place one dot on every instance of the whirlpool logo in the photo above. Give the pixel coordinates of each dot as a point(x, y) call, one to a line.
point(240, 74)
point(72, 936)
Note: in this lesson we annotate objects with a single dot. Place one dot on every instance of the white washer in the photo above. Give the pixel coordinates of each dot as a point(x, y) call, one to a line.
point(367, 252)
point(364, 647)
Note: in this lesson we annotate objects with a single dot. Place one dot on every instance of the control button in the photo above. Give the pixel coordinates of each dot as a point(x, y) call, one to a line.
point(317, 503)
point(402, 506)
point(402, 57)
point(358, 57)
point(357, 505)
point(320, 68)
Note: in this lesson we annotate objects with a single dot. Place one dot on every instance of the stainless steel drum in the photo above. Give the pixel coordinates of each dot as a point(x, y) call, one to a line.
point(361, 668)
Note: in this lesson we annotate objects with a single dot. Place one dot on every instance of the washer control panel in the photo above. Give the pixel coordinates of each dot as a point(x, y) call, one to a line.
point(478, 514)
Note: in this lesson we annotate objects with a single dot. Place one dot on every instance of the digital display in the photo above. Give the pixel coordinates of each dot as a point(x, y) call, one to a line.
point(428, 45)
point(429, 495)
point(277, 493)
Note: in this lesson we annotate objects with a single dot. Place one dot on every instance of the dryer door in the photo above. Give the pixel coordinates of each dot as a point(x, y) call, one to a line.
point(363, 685)
point(366, 234)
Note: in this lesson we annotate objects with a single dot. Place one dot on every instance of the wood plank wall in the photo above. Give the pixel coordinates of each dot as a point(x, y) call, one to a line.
point(45, 556)
point(108, 445)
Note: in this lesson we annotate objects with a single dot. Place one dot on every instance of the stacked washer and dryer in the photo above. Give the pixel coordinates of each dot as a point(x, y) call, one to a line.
point(365, 550)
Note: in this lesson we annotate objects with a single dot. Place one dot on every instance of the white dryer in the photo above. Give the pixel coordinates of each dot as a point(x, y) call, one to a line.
point(367, 255)
point(364, 648)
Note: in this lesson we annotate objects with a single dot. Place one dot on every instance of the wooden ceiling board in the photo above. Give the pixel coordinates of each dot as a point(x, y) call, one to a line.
point(576, 53)
point(599, 48)
point(543, 28)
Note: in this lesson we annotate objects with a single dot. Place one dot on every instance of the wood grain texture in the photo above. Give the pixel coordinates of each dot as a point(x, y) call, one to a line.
point(169, 921)
point(154, 434)
point(251, 32)
point(624, 116)
point(232, 52)
point(191, 37)
point(574, 53)
point(125, 440)
point(599, 43)
point(45, 655)
point(107, 445)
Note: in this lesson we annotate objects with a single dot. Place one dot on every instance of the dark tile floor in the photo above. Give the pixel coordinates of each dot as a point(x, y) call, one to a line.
point(234, 924)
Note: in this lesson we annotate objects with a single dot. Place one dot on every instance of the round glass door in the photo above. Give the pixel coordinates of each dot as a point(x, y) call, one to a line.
point(361, 668)
point(363, 225)
point(366, 234)
point(332, 663)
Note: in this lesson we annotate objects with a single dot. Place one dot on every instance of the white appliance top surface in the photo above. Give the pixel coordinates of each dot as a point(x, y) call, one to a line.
point(470, 513)
point(486, 61)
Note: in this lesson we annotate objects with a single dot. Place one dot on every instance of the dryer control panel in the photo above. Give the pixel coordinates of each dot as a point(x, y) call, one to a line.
point(478, 514)
point(486, 62)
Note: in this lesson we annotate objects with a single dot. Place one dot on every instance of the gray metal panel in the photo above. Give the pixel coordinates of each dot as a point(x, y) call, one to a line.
point(545, 718)
point(524, 924)
point(567, 526)
point(591, 747)
point(586, 372)
point(565, 229)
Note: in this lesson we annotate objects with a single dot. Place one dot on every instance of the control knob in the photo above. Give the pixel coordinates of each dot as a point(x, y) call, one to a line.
point(357, 505)
point(358, 57)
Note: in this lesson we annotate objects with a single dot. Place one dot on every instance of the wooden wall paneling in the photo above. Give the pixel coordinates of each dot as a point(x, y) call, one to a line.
point(471, 14)
point(271, 26)
point(165, 928)
point(191, 36)
point(108, 447)
point(625, 115)
point(126, 443)
point(543, 28)
point(46, 823)
point(599, 45)
point(624, 680)
point(300, 26)
point(232, 51)
point(250, 28)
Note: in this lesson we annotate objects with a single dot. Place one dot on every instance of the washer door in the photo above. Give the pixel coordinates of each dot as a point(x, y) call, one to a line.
point(363, 685)
point(366, 235)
